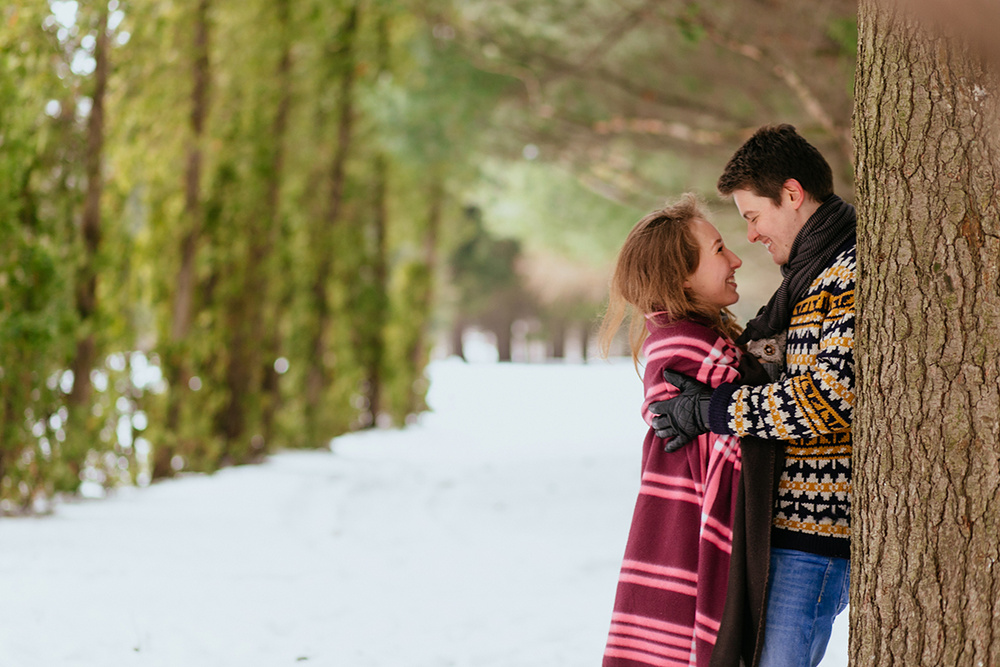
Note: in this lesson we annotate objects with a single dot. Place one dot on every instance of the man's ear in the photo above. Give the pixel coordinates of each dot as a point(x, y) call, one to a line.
point(793, 192)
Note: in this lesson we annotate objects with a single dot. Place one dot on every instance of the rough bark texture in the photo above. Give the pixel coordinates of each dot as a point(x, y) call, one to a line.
point(926, 583)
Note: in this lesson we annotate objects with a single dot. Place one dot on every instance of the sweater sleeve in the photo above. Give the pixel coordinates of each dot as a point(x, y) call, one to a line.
point(816, 396)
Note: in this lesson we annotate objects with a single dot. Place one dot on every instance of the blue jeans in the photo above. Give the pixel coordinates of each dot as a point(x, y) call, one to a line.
point(805, 594)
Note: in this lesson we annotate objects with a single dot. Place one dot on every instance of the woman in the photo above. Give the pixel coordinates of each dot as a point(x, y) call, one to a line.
point(674, 278)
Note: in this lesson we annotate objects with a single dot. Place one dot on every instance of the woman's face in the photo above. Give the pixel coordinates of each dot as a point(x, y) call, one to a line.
point(713, 281)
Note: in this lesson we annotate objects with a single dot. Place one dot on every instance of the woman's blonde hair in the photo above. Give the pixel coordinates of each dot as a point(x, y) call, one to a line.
point(658, 255)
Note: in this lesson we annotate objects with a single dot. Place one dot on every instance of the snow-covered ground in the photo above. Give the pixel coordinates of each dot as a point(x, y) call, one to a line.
point(488, 534)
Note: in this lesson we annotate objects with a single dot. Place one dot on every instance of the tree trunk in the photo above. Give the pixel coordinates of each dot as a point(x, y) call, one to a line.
point(557, 338)
point(380, 260)
point(420, 295)
point(456, 337)
point(926, 583)
point(90, 228)
point(186, 278)
point(183, 304)
point(249, 335)
point(268, 328)
point(503, 330)
point(319, 376)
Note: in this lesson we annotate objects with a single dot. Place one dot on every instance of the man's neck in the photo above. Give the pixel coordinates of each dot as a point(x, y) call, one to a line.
point(809, 208)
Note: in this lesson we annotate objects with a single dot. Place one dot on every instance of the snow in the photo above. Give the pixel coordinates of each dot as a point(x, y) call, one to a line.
point(488, 534)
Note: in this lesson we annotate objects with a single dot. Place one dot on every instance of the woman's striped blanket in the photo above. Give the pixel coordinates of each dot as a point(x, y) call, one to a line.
point(672, 586)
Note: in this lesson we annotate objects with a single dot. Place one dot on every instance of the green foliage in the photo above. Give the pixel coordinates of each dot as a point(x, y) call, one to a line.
point(343, 143)
point(35, 307)
point(689, 25)
point(552, 209)
point(844, 32)
point(406, 338)
point(482, 267)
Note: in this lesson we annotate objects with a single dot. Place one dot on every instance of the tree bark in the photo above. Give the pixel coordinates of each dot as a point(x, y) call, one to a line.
point(421, 294)
point(268, 328)
point(380, 260)
point(318, 378)
point(505, 340)
point(183, 303)
point(926, 583)
point(425, 296)
point(186, 278)
point(456, 336)
point(250, 337)
point(90, 228)
point(557, 338)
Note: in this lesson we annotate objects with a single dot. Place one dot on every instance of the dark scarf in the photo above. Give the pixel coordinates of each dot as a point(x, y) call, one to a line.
point(818, 242)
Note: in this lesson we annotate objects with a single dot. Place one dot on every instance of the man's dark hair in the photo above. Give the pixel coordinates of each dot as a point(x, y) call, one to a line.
point(774, 154)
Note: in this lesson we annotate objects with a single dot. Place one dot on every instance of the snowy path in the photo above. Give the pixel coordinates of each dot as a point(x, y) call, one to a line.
point(446, 544)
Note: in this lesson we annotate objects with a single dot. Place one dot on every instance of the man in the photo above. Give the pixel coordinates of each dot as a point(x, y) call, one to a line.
point(783, 188)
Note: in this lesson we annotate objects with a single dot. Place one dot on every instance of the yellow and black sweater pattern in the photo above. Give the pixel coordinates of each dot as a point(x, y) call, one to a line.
point(810, 409)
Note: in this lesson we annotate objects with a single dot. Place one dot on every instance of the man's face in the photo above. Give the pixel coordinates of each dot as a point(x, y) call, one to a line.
point(775, 226)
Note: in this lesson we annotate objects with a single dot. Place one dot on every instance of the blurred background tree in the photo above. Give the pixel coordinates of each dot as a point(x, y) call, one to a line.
point(230, 227)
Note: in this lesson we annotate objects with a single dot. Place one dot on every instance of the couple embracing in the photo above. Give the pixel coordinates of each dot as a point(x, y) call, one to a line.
point(739, 548)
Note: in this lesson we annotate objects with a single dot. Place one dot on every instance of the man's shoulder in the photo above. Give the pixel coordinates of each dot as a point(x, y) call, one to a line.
point(833, 289)
point(842, 272)
point(848, 253)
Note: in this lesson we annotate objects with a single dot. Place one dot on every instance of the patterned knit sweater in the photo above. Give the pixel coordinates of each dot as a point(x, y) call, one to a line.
point(810, 409)
point(673, 582)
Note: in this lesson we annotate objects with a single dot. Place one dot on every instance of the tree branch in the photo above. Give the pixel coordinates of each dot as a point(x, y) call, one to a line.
point(615, 34)
point(655, 126)
point(784, 72)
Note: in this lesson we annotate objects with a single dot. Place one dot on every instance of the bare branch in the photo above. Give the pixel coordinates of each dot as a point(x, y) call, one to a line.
point(655, 126)
point(617, 33)
point(810, 103)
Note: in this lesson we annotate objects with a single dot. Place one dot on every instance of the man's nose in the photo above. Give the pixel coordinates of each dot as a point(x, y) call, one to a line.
point(752, 234)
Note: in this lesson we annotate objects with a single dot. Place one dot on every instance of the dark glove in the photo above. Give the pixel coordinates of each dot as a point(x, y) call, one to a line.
point(685, 416)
